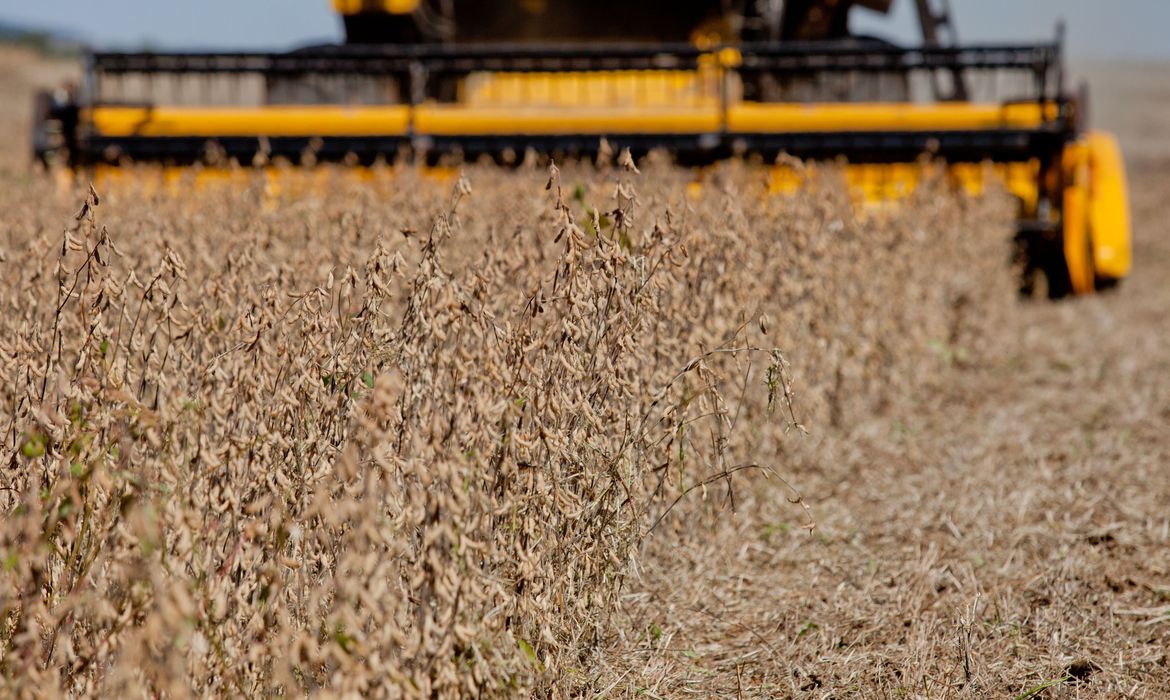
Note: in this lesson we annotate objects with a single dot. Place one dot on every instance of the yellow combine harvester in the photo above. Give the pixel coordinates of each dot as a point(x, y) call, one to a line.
point(704, 79)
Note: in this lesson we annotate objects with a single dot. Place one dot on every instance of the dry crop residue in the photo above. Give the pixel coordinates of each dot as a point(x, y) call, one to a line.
point(1002, 533)
point(408, 440)
point(365, 440)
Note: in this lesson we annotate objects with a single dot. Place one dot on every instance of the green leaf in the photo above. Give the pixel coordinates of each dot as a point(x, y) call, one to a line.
point(368, 379)
point(769, 531)
point(34, 446)
point(1041, 688)
point(528, 650)
point(344, 640)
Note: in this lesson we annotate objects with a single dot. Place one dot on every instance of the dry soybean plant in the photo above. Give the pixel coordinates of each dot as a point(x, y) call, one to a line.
point(384, 440)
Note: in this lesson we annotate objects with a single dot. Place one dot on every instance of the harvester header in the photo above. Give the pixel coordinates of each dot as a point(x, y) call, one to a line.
point(423, 81)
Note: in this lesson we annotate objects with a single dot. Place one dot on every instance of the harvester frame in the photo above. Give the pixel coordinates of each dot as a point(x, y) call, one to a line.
point(953, 131)
point(1072, 220)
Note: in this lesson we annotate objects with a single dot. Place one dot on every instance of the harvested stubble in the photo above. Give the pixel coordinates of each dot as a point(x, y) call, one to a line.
point(408, 441)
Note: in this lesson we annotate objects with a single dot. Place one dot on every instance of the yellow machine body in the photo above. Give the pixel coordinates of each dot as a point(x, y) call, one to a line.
point(485, 118)
point(394, 7)
point(1097, 232)
point(878, 184)
point(651, 102)
point(1109, 219)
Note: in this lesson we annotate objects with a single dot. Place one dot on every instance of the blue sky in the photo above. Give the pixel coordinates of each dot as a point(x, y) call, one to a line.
point(1096, 28)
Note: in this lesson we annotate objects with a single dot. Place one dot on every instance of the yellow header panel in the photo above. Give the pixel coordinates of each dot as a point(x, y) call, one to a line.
point(759, 118)
point(460, 120)
point(396, 7)
point(208, 122)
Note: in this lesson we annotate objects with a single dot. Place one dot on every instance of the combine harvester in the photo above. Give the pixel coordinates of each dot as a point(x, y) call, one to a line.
point(425, 80)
